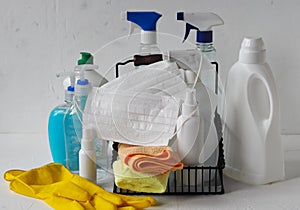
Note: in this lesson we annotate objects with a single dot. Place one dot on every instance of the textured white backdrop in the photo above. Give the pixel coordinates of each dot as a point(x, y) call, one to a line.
point(40, 38)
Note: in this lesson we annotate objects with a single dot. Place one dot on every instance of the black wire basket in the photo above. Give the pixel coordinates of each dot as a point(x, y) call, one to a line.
point(197, 180)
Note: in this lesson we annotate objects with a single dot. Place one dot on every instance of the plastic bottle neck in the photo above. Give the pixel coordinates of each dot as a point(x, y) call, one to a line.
point(205, 47)
point(190, 104)
point(87, 142)
point(252, 57)
point(252, 51)
point(69, 94)
point(148, 37)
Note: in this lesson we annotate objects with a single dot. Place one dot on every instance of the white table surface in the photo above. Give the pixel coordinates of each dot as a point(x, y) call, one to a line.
point(26, 151)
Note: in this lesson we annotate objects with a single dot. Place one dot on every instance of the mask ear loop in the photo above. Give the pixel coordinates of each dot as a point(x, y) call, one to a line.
point(78, 110)
point(199, 71)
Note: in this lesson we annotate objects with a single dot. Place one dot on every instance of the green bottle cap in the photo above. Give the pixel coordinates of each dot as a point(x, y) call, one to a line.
point(86, 58)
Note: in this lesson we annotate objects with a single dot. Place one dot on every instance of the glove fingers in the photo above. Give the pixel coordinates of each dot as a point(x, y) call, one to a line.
point(12, 174)
point(139, 204)
point(69, 190)
point(59, 203)
point(128, 198)
point(101, 203)
point(126, 208)
point(95, 189)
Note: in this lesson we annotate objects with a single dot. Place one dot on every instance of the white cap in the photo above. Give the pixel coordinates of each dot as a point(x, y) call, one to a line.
point(189, 77)
point(148, 37)
point(190, 103)
point(252, 51)
point(69, 95)
point(87, 142)
point(82, 90)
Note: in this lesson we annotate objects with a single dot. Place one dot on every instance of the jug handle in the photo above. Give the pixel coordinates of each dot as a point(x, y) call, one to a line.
point(266, 123)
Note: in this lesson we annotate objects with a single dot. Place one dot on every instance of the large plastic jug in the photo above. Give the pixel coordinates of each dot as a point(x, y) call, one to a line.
point(253, 148)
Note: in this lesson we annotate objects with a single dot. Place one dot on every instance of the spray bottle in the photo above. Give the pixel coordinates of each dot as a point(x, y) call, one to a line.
point(73, 117)
point(87, 155)
point(203, 23)
point(56, 123)
point(146, 21)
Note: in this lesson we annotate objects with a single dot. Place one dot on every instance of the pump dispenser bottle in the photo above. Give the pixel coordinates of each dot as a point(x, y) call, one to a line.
point(73, 117)
point(146, 21)
point(56, 126)
point(253, 148)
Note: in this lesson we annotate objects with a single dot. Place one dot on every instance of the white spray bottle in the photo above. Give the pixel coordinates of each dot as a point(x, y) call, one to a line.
point(253, 148)
point(190, 139)
point(87, 155)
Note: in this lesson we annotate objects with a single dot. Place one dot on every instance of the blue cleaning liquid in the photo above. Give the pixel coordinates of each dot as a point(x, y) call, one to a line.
point(56, 134)
point(73, 134)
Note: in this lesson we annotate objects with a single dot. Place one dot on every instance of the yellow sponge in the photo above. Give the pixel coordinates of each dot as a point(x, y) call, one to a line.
point(125, 178)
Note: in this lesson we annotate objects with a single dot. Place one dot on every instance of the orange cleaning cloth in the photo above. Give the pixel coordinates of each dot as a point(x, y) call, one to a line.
point(151, 160)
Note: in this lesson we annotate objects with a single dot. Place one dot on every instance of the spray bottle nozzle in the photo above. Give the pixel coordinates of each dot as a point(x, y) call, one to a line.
point(84, 63)
point(144, 20)
point(188, 28)
point(202, 23)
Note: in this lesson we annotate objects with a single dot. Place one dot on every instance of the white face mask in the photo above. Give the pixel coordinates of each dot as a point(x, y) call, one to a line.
point(137, 108)
point(142, 106)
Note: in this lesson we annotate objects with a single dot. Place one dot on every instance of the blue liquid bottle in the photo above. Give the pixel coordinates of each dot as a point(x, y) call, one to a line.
point(56, 128)
point(73, 117)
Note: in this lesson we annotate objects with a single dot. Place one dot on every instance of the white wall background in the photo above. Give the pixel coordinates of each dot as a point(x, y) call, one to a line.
point(40, 38)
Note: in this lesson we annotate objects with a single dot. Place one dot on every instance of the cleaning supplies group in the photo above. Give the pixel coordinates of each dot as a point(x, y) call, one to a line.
point(142, 113)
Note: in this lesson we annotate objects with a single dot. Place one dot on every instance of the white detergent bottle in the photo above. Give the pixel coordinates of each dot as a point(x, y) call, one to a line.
point(253, 148)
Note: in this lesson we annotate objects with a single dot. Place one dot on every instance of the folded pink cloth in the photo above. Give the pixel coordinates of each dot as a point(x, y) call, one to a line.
point(150, 160)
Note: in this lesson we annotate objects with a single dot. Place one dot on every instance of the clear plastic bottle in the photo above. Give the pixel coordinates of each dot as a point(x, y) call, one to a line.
point(56, 128)
point(208, 49)
point(73, 133)
point(73, 117)
point(148, 49)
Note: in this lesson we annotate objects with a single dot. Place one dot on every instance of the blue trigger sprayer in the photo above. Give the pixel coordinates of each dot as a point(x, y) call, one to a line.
point(146, 21)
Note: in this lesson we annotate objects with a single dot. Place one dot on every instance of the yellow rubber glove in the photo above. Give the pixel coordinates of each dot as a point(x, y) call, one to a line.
point(62, 190)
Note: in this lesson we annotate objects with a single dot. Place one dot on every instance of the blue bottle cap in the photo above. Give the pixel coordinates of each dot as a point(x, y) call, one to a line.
point(82, 82)
point(204, 36)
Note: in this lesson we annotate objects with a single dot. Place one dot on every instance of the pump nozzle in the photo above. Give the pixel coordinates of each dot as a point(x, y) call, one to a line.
point(146, 21)
point(202, 22)
point(84, 63)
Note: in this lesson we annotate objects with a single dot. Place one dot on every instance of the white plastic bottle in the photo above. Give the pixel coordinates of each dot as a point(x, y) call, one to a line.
point(253, 148)
point(87, 156)
point(190, 140)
